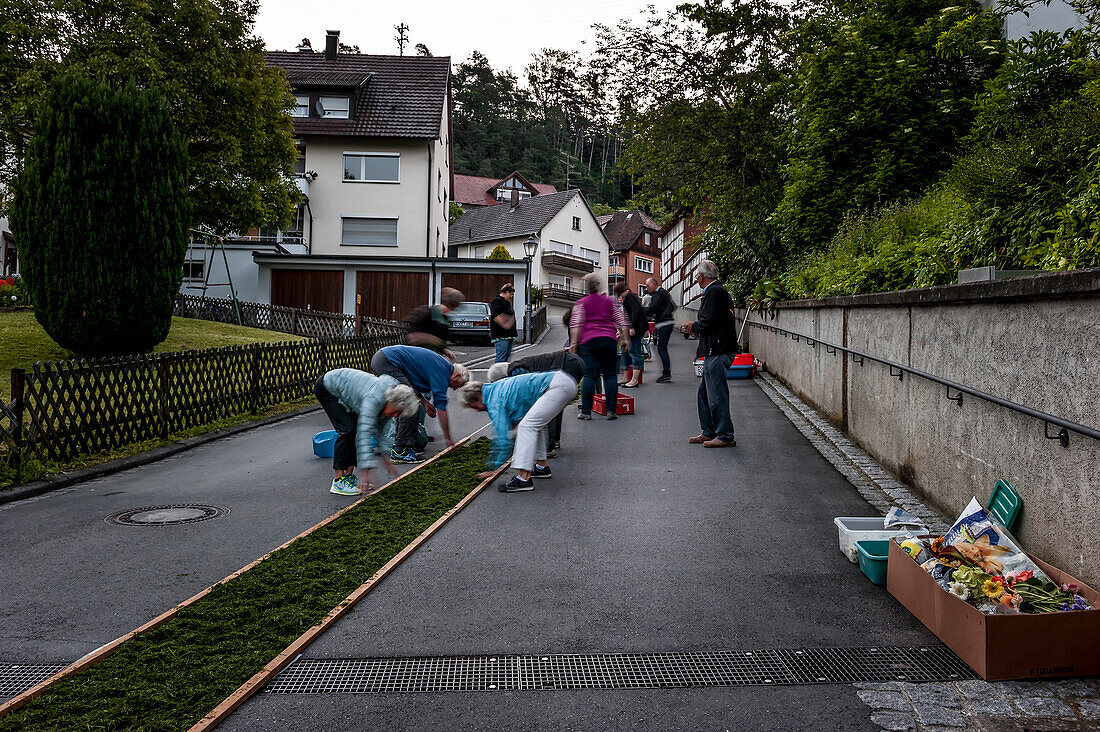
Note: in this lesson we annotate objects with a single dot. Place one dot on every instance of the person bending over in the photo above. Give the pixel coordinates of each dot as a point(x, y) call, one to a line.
point(361, 407)
point(428, 325)
point(553, 361)
point(527, 402)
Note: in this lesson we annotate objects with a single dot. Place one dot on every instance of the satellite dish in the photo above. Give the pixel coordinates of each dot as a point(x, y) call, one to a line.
point(320, 109)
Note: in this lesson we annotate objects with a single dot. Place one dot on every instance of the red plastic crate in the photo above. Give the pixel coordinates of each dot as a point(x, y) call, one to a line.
point(625, 405)
point(743, 359)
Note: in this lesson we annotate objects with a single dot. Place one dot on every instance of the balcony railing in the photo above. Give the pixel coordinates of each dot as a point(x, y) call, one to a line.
point(562, 293)
point(566, 261)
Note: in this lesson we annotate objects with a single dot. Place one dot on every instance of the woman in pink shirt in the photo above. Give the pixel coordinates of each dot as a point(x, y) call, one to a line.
point(596, 327)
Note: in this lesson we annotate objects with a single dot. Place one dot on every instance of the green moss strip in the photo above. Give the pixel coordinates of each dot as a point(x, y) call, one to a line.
point(168, 678)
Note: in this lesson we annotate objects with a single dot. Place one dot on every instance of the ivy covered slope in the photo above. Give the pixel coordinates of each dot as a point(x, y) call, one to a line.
point(169, 678)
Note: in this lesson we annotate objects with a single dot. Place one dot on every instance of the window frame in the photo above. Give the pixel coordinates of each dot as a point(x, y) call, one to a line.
point(647, 260)
point(191, 263)
point(362, 167)
point(300, 105)
point(576, 223)
point(595, 261)
point(396, 230)
point(346, 112)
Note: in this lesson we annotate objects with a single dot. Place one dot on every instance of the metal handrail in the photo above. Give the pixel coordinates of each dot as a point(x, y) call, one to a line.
point(1062, 436)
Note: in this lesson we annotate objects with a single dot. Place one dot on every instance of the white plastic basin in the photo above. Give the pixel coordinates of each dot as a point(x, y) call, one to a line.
point(856, 528)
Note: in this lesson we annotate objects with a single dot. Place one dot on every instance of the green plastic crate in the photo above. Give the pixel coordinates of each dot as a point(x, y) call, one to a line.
point(872, 558)
point(1004, 504)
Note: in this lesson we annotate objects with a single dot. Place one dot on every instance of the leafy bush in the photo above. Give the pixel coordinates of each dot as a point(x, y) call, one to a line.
point(499, 252)
point(101, 212)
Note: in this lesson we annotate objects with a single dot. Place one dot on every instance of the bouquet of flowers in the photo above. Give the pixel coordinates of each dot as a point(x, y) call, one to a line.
point(978, 561)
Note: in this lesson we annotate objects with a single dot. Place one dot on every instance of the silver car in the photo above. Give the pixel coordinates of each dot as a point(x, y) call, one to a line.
point(470, 320)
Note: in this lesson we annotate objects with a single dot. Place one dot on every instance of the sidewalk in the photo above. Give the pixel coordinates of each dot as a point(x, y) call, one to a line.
point(640, 543)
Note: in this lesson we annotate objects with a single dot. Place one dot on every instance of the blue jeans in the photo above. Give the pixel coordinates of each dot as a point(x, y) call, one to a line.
point(503, 348)
point(714, 398)
point(663, 334)
point(599, 360)
point(635, 356)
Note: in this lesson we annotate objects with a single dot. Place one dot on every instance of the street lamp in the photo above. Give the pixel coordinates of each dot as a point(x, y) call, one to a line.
point(529, 248)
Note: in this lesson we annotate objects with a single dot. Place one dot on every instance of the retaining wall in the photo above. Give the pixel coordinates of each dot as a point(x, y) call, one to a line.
point(1032, 340)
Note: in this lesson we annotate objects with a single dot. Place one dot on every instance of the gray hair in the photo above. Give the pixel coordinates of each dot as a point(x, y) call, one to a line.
point(497, 372)
point(593, 283)
point(708, 269)
point(470, 394)
point(463, 373)
point(404, 398)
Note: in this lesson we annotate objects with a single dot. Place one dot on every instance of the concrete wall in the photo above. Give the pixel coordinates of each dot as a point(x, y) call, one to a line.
point(1034, 341)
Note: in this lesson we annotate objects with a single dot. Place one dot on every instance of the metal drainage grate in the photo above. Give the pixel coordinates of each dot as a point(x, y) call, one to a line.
point(621, 670)
point(15, 679)
point(185, 513)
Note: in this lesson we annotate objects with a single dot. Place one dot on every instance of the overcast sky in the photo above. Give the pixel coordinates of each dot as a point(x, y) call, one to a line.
point(506, 32)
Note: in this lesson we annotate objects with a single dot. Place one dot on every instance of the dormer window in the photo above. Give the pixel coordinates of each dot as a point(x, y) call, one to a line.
point(333, 107)
point(301, 106)
point(505, 194)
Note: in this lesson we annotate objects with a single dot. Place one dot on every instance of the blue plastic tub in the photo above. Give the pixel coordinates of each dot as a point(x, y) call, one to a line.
point(324, 443)
point(740, 371)
point(872, 558)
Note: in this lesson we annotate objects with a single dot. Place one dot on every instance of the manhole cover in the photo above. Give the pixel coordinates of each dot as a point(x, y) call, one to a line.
point(187, 513)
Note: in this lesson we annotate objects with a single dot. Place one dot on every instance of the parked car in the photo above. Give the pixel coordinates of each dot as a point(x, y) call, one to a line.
point(470, 320)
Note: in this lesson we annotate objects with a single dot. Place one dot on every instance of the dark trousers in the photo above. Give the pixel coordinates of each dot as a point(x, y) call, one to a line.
point(600, 358)
point(407, 427)
point(663, 334)
point(343, 421)
point(555, 430)
point(714, 398)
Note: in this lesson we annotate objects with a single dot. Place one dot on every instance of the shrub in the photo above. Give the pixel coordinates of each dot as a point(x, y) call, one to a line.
point(499, 252)
point(101, 214)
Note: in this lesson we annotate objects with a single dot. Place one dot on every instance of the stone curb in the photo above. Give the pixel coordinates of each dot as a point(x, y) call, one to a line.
point(38, 487)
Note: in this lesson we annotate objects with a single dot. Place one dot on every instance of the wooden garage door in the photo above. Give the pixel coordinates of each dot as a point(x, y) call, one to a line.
point(390, 295)
point(476, 287)
point(309, 289)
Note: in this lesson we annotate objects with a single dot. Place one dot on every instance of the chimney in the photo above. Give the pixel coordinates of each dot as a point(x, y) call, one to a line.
point(515, 198)
point(332, 44)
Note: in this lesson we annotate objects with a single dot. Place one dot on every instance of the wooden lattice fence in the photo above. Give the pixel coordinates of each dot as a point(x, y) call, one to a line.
point(68, 408)
point(296, 321)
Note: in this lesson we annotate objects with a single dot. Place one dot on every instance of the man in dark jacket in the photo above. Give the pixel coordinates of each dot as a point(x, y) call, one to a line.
point(717, 333)
point(660, 311)
point(428, 325)
point(639, 326)
point(502, 323)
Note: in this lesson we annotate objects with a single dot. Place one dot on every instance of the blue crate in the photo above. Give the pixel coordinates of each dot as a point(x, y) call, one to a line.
point(324, 443)
point(740, 371)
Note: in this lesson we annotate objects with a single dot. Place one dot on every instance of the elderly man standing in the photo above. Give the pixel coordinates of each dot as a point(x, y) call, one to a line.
point(427, 373)
point(717, 333)
point(660, 309)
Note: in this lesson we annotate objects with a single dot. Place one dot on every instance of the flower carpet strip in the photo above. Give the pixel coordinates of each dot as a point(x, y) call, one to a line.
point(171, 672)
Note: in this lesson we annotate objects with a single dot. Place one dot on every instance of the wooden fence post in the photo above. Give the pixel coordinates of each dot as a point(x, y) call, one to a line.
point(18, 395)
point(163, 388)
point(294, 321)
point(254, 394)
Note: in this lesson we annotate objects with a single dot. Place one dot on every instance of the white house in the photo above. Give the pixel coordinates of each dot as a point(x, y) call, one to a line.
point(370, 237)
point(681, 253)
point(9, 263)
point(570, 242)
point(1057, 16)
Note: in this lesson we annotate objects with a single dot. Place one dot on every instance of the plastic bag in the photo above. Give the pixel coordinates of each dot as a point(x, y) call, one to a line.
point(983, 542)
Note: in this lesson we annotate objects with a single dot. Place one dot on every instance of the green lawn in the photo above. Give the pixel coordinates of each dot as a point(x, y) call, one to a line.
point(22, 341)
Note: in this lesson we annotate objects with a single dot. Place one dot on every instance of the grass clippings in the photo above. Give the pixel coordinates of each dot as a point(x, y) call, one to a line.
point(170, 677)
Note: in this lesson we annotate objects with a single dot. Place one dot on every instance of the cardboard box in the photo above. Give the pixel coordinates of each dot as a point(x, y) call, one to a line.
point(1001, 647)
point(625, 404)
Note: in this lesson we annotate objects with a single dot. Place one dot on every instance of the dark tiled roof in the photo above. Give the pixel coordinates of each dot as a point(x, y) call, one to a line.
point(474, 190)
point(623, 228)
point(502, 222)
point(404, 97)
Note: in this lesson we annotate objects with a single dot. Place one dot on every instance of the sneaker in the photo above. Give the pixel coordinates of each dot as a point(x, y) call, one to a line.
point(541, 472)
point(517, 485)
point(343, 487)
point(612, 416)
point(407, 456)
point(664, 379)
point(582, 415)
point(353, 480)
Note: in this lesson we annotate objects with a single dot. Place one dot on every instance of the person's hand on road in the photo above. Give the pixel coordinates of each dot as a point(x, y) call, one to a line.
point(484, 475)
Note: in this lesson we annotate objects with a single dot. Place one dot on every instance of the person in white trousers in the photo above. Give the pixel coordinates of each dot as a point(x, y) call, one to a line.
point(529, 402)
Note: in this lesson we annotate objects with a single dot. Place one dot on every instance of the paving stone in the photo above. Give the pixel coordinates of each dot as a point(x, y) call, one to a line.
point(878, 685)
point(932, 695)
point(1044, 707)
point(894, 721)
point(892, 700)
point(1025, 688)
point(995, 707)
point(932, 714)
point(1074, 687)
point(1089, 707)
point(977, 689)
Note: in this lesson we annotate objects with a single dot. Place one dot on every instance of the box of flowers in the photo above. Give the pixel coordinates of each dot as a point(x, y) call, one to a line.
point(1007, 614)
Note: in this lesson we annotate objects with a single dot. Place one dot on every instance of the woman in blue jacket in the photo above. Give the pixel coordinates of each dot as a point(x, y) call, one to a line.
point(362, 408)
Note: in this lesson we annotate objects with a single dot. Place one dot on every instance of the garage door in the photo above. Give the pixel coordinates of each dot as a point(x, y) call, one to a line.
point(476, 287)
point(390, 295)
point(308, 289)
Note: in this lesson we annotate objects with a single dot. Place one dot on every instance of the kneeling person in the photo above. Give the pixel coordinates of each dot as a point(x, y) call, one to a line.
point(361, 407)
point(529, 402)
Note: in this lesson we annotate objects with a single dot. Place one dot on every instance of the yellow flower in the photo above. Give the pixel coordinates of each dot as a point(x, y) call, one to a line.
point(992, 589)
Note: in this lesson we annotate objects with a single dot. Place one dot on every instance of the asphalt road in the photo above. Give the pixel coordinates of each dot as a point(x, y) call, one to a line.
point(640, 543)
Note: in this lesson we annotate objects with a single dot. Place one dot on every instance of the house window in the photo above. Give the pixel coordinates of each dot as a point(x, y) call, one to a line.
point(613, 260)
point(576, 223)
point(479, 252)
point(333, 107)
point(557, 246)
point(648, 238)
point(368, 232)
point(505, 194)
point(194, 269)
point(300, 161)
point(591, 254)
point(301, 107)
point(642, 264)
point(372, 167)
